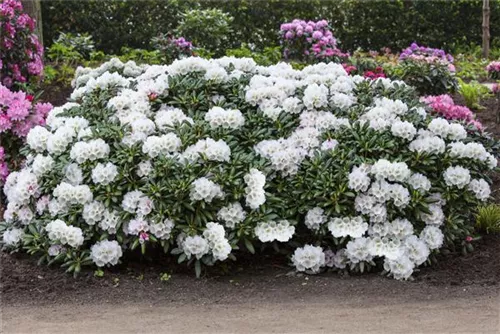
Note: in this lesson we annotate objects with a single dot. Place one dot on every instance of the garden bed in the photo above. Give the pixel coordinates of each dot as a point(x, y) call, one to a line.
point(138, 279)
point(25, 283)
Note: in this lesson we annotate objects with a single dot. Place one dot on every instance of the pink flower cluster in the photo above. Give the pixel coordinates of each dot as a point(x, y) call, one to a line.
point(18, 114)
point(444, 106)
point(4, 169)
point(20, 51)
point(493, 69)
point(304, 40)
point(429, 55)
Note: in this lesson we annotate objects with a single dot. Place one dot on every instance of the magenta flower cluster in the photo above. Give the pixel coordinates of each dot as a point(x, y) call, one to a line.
point(444, 106)
point(20, 51)
point(183, 44)
point(426, 54)
point(18, 113)
point(493, 69)
point(4, 168)
point(305, 40)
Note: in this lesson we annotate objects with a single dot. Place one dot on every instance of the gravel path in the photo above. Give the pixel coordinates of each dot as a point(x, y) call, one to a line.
point(475, 314)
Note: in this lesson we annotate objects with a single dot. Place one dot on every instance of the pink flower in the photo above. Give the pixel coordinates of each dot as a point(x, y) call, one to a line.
point(317, 34)
point(468, 238)
point(143, 236)
point(4, 171)
point(5, 123)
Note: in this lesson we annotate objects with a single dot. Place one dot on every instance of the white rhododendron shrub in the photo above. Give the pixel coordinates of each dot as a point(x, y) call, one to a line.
point(207, 159)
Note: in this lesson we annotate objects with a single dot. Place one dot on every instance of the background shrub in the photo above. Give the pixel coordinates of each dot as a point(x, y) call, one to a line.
point(20, 51)
point(206, 28)
point(369, 25)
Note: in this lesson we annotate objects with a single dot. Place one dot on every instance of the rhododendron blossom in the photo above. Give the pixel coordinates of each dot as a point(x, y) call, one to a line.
point(304, 40)
point(21, 53)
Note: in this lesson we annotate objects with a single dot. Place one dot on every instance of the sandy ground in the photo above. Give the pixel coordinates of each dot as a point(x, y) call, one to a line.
point(475, 314)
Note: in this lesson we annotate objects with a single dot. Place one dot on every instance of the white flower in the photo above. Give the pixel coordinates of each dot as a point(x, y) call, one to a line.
point(211, 149)
point(13, 236)
point(432, 236)
point(359, 180)
point(232, 214)
point(395, 171)
point(357, 250)
point(405, 130)
point(106, 252)
point(137, 225)
point(93, 212)
point(456, 176)
point(42, 165)
point(162, 230)
point(131, 200)
point(342, 227)
point(436, 217)
point(439, 127)
point(309, 258)
point(203, 189)
point(315, 96)
point(72, 236)
point(429, 145)
point(315, 218)
point(255, 194)
point(228, 119)
point(163, 145)
point(419, 182)
point(329, 145)
point(73, 174)
point(400, 228)
point(292, 105)
point(168, 117)
point(400, 268)
point(196, 246)
point(416, 249)
point(144, 169)
point(104, 174)
point(480, 188)
point(37, 138)
point(110, 221)
point(281, 231)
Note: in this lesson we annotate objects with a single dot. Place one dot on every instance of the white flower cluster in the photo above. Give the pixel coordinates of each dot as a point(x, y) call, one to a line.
point(255, 194)
point(225, 118)
point(106, 252)
point(58, 231)
point(210, 149)
point(231, 214)
point(315, 218)
point(12, 236)
point(269, 231)
point(309, 258)
point(203, 189)
point(213, 241)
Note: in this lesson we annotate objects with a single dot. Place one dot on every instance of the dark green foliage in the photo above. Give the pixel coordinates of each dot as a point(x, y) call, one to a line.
point(357, 24)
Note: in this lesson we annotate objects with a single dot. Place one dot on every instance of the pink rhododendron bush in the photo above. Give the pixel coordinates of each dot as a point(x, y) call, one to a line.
point(209, 159)
point(310, 41)
point(20, 51)
point(18, 114)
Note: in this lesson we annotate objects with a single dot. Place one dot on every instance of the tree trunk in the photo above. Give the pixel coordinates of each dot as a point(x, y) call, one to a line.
point(34, 9)
point(486, 28)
